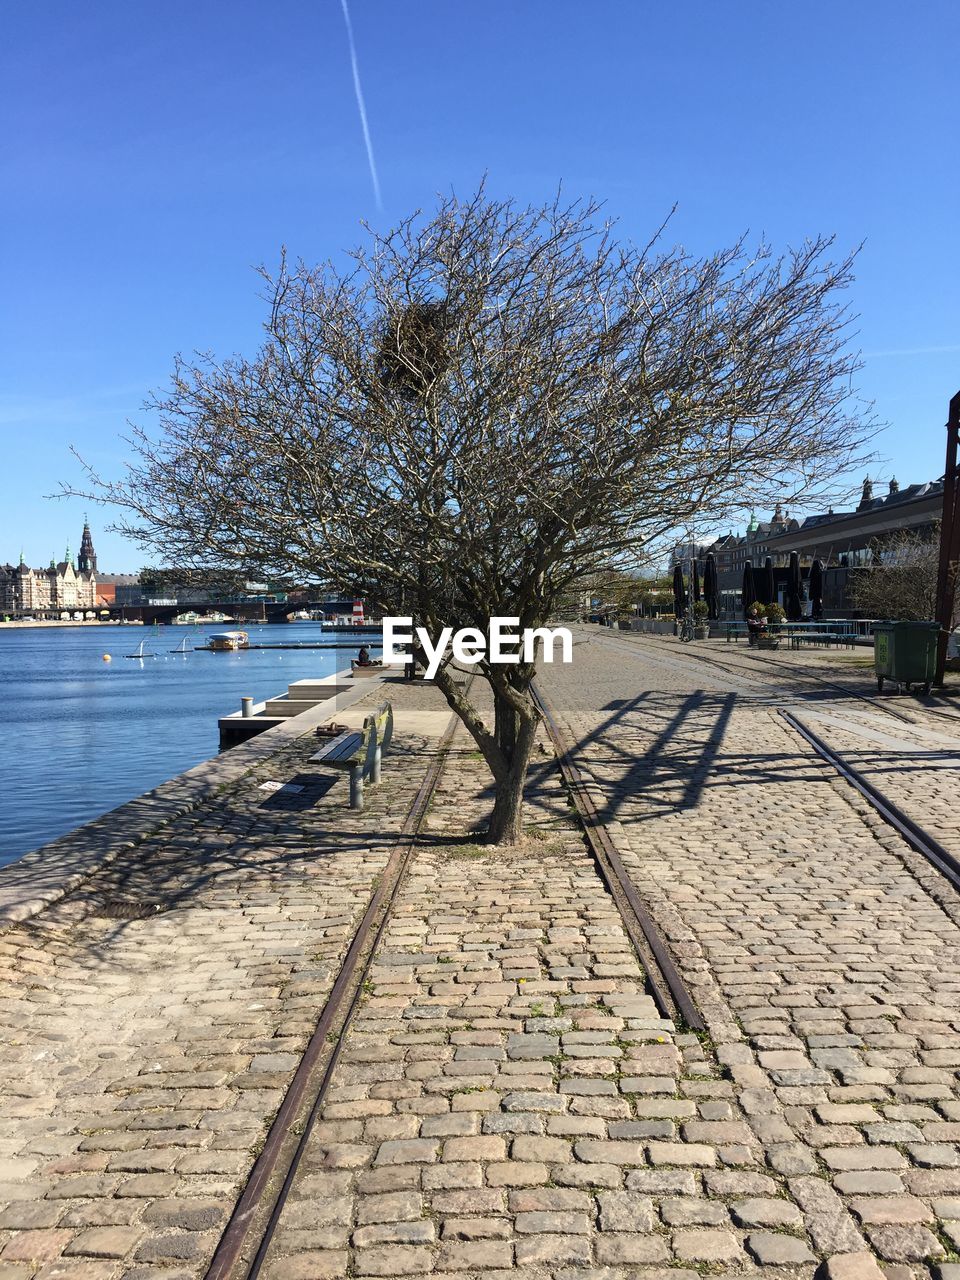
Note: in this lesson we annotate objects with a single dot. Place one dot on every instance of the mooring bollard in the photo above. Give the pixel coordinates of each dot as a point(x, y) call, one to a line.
point(246, 705)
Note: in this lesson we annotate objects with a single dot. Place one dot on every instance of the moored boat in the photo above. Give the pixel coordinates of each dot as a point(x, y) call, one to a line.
point(226, 641)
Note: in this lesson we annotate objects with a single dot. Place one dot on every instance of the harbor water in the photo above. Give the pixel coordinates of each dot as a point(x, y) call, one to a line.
point(81, 736)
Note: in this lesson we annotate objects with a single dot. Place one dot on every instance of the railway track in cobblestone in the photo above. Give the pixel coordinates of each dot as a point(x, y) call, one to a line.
point(667, 987)
point(666, 984)
point(737, 669)
point(919, 840)
point(943, 711)
point(873, 700)
point(915, 836)
point(246, 1242)
point(244, 1245)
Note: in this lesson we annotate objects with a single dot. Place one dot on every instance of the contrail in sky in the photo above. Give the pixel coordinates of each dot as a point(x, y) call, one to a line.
point(911, 351)
point(360, 104)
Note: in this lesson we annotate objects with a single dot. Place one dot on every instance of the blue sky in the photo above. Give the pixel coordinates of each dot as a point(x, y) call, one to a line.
point(152, 155)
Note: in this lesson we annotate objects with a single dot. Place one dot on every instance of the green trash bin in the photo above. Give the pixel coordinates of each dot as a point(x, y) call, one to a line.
point(906, 653)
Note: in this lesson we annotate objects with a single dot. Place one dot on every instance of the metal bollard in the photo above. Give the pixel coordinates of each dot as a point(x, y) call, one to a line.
point(246, 708)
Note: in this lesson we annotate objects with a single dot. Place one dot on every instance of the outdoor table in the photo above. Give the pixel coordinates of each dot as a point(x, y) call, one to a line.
point(814, 637)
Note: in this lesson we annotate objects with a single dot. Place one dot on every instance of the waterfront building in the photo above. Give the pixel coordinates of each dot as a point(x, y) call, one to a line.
point(118, 589)
point(842, 540)
point(63, 587)
point(848, 539)
point(87, 559)
point(731, 551)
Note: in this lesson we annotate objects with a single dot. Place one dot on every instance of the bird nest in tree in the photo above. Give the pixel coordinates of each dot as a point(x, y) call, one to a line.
point(413, 349)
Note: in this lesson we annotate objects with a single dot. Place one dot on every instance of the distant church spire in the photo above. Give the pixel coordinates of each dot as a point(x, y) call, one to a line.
point(87, 559)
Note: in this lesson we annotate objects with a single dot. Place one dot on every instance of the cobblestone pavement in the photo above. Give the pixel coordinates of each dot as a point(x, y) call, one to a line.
point(915, 764)
point(143, 1057)
point(818, 944)
point(508, 1102)
point(916, 767)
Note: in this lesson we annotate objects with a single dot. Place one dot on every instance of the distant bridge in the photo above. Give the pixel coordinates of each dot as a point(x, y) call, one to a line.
point(234, 610)
point(240, 611)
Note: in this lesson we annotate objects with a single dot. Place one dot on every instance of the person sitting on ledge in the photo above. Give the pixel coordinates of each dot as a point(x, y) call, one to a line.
point(363, 657)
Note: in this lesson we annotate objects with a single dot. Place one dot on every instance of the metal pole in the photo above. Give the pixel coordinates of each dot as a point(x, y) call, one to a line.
point(949, 540)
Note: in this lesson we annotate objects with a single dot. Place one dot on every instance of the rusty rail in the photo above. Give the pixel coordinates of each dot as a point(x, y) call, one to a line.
point(667, 987)
point(244, 1245)
point(918, 839)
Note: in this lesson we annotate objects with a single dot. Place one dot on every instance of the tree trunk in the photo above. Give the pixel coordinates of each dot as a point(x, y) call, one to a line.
point(506, 746)
point(505, 725)
point(516, 733)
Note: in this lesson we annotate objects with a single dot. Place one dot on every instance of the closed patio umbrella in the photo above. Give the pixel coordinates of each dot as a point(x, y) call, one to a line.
point(679, 592)
point(710, 586)
point(816, 588)
point(749, 593)
point(769, 583)
point(696, 581)
point(760, 583)
point(794, 589)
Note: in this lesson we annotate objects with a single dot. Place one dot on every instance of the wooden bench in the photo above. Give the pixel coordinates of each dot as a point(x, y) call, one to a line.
point(360, 751)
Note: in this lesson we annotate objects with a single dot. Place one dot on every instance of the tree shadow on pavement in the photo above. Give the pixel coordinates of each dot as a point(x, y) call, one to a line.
point(679, 775)
point(674, 768)
point(241, 848)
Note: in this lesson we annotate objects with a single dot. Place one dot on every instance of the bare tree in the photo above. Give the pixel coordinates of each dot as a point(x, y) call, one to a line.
point(491, 405)
point(902, 581)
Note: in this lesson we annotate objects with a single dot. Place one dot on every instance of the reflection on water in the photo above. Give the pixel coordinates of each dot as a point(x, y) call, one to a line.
point(81, 735)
